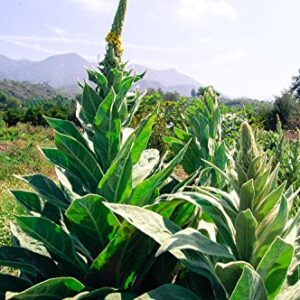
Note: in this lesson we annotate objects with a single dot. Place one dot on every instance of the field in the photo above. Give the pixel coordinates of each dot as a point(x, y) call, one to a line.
point(19, 155)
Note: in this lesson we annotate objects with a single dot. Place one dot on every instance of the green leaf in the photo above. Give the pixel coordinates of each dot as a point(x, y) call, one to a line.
point(84, 160)
point(90, 103)
point(26, 260)
point(102, 293)
point(56, 240)
point(245, 225)
point(77, 179)
point(95, 224)
point(268, 203)
point(274, 266)
point(247, 194)
point(216, 211)
point(143, 192)
point(192, 239)
point(29, 200)
point(51, 289)
point(117, 265)
point(161, 229)
point(230, 273)
point(145, 166)
point(133, 110)
point(47, 189)
point(11, 284)
point(67, 128)
point(97, 77)
point(271, 227)
point(122, 89)
point(171, 292)
point(107, 126)
point(116, 184)
point(142, 133)
point(250, 286)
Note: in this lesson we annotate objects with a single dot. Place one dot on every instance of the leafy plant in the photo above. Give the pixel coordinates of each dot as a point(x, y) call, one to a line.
point(203, 128)
point(245, 245)
point(71, 243)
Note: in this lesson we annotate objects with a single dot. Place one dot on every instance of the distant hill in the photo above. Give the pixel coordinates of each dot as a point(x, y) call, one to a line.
point(28, 91)
point(65, 70)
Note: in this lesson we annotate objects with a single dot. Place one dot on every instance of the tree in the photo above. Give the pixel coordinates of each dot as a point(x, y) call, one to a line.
point(288, 110)
point(12, 117)
point(193, 93)
point(295, 88)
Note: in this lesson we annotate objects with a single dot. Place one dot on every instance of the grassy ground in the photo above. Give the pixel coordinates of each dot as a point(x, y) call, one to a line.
point(19, 155)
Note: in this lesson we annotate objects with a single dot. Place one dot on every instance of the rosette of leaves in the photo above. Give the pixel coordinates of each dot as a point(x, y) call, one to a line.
point(203, 130)
point(246, 246)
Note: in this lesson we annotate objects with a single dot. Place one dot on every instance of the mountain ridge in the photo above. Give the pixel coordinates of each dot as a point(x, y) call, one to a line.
point(63, 71)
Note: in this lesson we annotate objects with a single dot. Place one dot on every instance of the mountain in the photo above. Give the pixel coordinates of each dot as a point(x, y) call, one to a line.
point(168, 80)
point(25, 91)
point(65, 70)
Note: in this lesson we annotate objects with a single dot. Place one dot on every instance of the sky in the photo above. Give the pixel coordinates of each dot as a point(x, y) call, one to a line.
point(241, 47)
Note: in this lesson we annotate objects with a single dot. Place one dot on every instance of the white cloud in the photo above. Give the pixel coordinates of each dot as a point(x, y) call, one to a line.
point(206, 40)
point(36, 41)
point(58, 31)
point(28, 45)
point(102, 6)
point(195, 9)
point(229, 57)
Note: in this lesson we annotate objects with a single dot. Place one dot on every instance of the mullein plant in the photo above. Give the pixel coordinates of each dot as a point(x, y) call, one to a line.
point(207, 152)
point(71, 242)
point(245, 245)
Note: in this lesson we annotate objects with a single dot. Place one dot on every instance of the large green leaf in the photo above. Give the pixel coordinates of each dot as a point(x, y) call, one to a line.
point(90, 103)
point(192, 239)
point(56, 240)
point(48, 190)
point(93, 223)
point(129, 252)
point(160, 229)
point(26, 260)
point(245, 226)
point(51, 289)
point(107, 126)
point(116, 184)
point(77, 179)
point(11, 284)
point(250, 286)
point(274, 266)
point(171, 292)
point(247, 194)
point(269, 202)
point(143, 193)
point(67, 128)
point(230, 273)
point(216, 211)
point(85, 161)
point(142, 135)
point(21, 239)
point(29, 200)
point(272, 226)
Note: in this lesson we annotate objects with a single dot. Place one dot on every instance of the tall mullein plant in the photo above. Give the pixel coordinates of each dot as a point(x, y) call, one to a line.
point(70, 241)
point(207, 152)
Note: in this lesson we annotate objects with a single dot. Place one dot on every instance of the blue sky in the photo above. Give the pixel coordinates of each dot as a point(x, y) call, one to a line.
point(243, 48)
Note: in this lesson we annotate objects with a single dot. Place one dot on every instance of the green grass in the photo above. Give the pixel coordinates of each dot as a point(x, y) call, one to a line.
point(19, 155)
